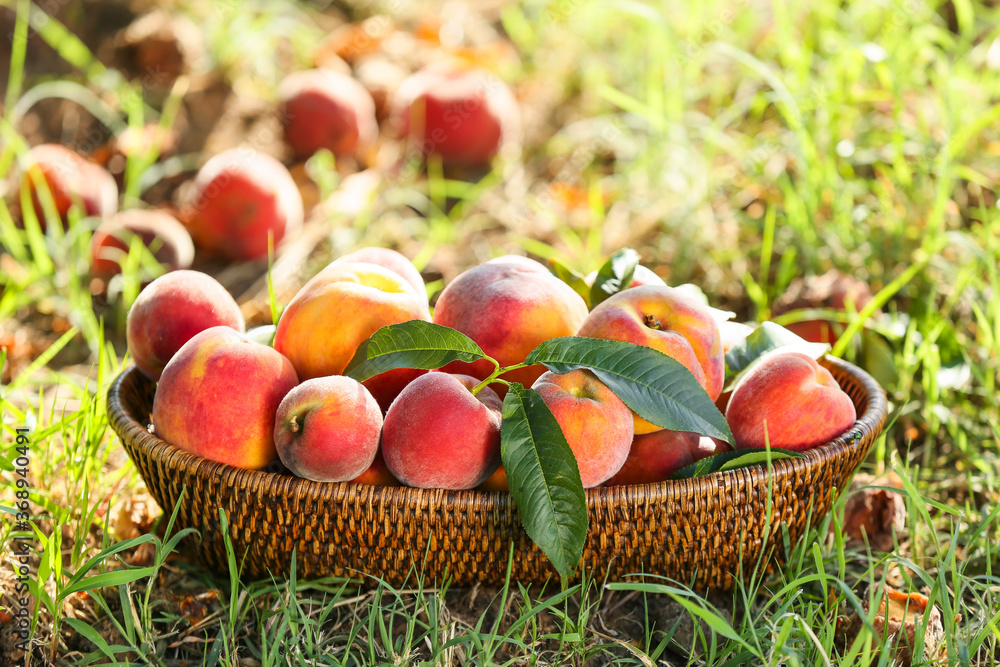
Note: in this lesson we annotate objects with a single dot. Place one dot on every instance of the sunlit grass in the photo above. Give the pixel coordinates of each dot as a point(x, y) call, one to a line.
point(736, 147)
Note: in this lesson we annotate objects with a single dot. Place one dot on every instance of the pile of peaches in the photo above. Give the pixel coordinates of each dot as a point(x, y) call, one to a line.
point(280, 392)
point(242, 199)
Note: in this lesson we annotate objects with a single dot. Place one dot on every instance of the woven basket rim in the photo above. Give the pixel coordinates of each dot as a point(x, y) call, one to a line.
point(871, 420)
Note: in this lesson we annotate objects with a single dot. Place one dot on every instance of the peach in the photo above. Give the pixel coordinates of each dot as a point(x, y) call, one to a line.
point(597, 425)
point(464, 116)
point(788, 400)
point(668, 320)
point(377, 473)
point(509, 306)
point(495, 482)
point(239, 198)
point(321, 108)
point(71, 180)
point(218, 397)
point(337, 310)
point(655, 457)
point(707, 446)
point(170, 311)
point(438, 435)
point(392, 260)
point(385, 387)
point(159, 231)
point(327, 429)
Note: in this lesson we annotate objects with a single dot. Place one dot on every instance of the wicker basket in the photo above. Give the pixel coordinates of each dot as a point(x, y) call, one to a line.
point(700, 531)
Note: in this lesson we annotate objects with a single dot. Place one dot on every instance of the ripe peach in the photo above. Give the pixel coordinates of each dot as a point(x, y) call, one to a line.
point(337, 310)
point(597, 425)
point(377, 473)
point(71, 180)
point(496, 482)
point(170, 311)
point(166, 238)
point(508, 306)
point(655, 457)
point(709, 447)
point(668, 320)
point(385, 387)
point(241, 196)
point(218, 396)
point(464, 116)
point(438, 435)
point(392, 260)
point(790, 401)
point(327, 429)
point(322, 108)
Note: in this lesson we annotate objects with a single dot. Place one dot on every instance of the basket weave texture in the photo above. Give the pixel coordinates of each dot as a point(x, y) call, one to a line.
point(701, 531)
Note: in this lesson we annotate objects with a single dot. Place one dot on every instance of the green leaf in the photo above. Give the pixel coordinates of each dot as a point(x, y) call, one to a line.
point(614, 275)
point(113, 578)
point(571, 278)
point(740, 458)
point(77, 579)
point(544, 479)
point(657, 387)
point(86, 630)
point(414, 344)
point(768, 336)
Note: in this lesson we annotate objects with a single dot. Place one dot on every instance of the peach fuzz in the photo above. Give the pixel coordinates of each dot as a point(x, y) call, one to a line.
point(464, 116)
point(385, 387)
point(218, 396)
point(321, 108)
point(327, 429)
point(438, 435)
point(71, 180)
point(239, 198)
point(337, 310)
point(788, 400)
point(170, 311)
point(159, 231)
point(668, 320)
point(392, 260)
point(509, 306)
point(597, 425)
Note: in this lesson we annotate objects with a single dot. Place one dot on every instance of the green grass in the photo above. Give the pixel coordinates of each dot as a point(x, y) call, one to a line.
point(735, 145)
